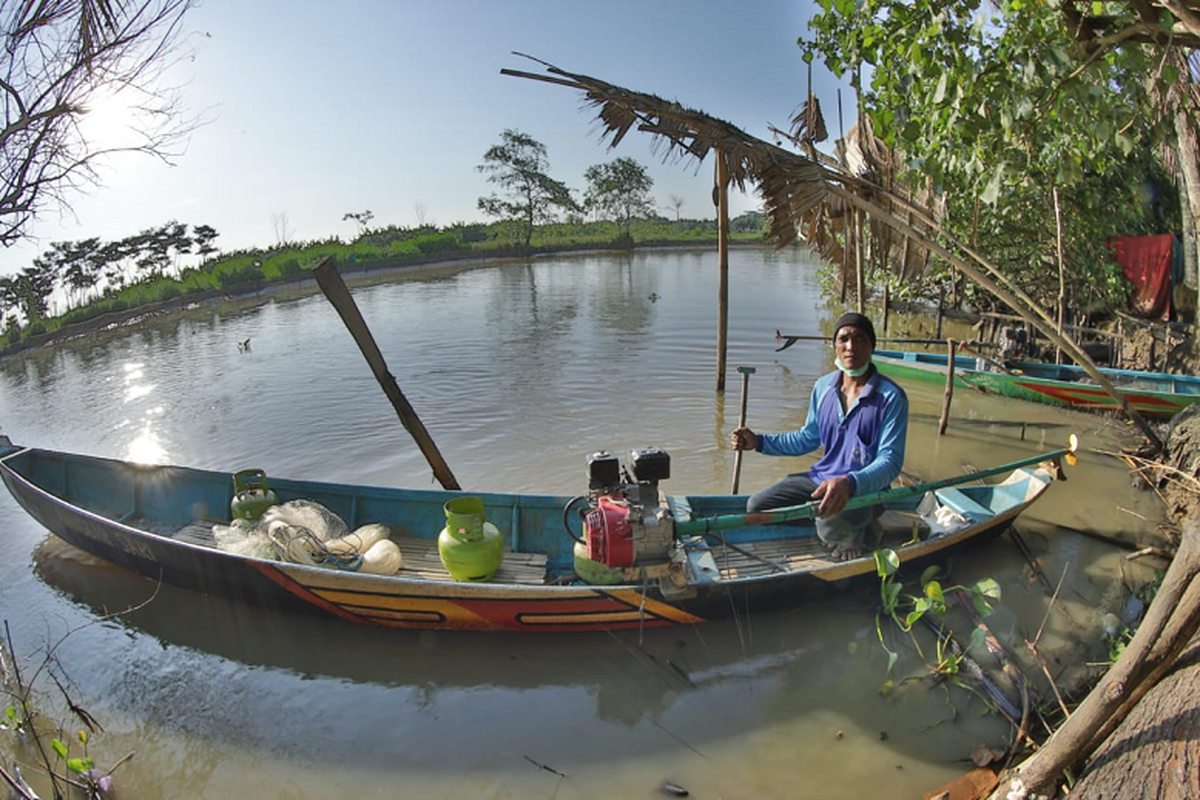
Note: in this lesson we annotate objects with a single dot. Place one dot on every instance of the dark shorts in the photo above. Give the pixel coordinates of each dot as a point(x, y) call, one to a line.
point(797, 489)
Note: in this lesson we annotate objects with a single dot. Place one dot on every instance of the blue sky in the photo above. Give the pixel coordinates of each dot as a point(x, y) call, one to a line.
point(319, 109)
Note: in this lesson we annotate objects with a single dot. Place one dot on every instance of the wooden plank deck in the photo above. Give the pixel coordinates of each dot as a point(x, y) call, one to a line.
point(756, 559)
point(804, 554)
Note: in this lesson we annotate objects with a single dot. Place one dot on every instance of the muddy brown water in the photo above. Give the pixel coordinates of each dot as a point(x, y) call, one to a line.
point(519, 371)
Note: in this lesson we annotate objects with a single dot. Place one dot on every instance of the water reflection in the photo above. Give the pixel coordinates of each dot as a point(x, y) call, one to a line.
point(657, 685)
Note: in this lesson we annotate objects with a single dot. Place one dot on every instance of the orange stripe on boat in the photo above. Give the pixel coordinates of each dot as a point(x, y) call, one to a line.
point(288, 583)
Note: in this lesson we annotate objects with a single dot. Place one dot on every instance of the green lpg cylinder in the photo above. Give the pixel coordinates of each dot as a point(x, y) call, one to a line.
point(251, 497)
point(470, 549)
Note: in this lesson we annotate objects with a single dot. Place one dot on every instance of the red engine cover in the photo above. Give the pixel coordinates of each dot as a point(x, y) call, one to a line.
point(609, 539)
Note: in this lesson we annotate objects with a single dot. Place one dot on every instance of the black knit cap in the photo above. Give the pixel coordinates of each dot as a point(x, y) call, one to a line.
point(856, 320)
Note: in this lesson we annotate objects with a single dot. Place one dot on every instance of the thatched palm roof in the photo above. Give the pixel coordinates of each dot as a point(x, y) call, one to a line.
point(803, 195)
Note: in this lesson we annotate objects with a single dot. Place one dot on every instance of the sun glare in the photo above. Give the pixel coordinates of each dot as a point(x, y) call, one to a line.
point(111, 121)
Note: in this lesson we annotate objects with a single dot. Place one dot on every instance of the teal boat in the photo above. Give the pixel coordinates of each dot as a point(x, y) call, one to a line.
point(665, 559)
point(1152, 394)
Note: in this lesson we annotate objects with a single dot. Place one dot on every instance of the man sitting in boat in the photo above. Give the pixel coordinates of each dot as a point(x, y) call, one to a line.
point(860, 419)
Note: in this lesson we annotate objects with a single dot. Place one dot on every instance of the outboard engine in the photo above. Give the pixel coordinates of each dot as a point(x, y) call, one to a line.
point(627, 524)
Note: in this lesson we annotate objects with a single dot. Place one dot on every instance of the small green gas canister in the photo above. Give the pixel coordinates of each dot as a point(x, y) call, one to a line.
point(470, 548)
point(251, 497)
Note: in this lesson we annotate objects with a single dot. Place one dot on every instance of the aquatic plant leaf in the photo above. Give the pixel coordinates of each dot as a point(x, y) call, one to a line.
point(933, 591)
point(79, 765)
point(989, 589)
point(887, 562)
point(890, 593)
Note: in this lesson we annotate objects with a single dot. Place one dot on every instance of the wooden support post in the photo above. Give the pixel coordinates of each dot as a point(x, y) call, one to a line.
point(945, 419)
point(886, 300)
point(937, 334)
point(1120, 356)
point(858, 260)
point(722, 197)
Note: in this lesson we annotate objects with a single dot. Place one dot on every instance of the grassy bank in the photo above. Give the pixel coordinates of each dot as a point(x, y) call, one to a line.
point(253, 271)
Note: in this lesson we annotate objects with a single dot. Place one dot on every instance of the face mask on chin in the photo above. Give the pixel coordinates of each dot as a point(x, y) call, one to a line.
point(853, 373)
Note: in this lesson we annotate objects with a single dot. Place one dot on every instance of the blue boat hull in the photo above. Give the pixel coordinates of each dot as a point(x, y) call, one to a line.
point(155, 521)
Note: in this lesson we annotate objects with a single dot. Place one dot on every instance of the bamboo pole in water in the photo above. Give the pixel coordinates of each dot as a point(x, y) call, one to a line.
point(334, 287)
point(949, 395)
point(886, 300)
point(721, 192)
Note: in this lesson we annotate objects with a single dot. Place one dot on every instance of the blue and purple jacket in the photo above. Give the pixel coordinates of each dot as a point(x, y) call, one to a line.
point(866, 443)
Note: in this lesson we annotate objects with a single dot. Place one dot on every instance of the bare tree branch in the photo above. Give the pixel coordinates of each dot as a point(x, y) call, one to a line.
point(60, 60)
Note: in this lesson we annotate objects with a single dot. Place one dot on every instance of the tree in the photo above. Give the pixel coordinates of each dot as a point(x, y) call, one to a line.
point(204, 237)
point(76, 264)
point(998, 110)
point(619, 190)
point(282, 227)
point(33, 287)
point(58, 58)
point(519, 165)
point(362, 218)
point(676, 204)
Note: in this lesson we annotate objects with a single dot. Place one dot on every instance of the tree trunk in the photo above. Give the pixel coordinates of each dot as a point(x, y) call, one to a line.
point(1189, 169)
point(1156, 751)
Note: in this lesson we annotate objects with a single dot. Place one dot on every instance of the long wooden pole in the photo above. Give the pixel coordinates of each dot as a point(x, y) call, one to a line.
point(787, 340)
point(949, 394)
point(721, 190)
point(723, 522)
point(334, 287)
point(737, 456)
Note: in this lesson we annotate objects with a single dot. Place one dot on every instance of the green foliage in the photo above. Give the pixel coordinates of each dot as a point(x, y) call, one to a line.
point(437, 243)
point(749, 222)
point(906, 610)
point(14, 720)
point(619, 191)
point(998, 105)
point(520, 167)
point(238, 274)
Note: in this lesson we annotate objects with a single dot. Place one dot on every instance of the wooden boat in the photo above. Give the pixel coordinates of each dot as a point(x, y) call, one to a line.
point(1152, 394)
point(158, 521)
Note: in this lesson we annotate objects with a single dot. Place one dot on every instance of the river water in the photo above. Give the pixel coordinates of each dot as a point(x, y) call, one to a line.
point(518, 371)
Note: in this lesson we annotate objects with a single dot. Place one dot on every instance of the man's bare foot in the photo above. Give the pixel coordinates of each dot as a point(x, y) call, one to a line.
point(849, 551)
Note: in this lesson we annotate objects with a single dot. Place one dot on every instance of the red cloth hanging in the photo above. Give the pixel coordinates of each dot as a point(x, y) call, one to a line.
point(1146, 262)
